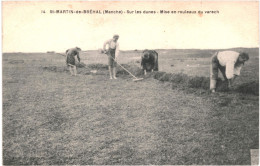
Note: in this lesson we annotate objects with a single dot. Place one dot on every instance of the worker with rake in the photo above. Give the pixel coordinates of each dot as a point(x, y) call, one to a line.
point(71, 61)
point(229, 63)
point(112, 53)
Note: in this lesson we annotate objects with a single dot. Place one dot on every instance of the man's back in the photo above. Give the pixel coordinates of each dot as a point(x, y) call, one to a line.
point(225, 57)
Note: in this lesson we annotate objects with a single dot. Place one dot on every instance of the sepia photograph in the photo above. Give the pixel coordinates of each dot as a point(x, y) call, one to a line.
point(130, 83)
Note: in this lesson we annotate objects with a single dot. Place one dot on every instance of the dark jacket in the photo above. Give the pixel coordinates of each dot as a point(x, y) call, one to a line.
point(150, 60)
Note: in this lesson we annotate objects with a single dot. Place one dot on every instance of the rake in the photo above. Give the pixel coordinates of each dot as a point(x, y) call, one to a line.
point(135, 78)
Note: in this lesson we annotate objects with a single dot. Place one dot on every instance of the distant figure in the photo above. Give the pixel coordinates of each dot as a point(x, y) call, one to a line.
point(112, 53)
point(71, 61)
point(149, 61)
point(229, 63)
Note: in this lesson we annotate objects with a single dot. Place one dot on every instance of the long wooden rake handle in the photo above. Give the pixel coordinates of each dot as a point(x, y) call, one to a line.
point(123, 68)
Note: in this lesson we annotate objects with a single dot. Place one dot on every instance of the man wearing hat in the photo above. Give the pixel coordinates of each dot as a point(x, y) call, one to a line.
point(229, 63)
point(112, 53)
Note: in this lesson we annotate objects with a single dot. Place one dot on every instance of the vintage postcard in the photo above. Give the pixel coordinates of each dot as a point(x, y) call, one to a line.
point(130, 83)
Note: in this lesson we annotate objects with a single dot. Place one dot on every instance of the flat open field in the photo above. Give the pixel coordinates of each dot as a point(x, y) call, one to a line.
point(50, 117)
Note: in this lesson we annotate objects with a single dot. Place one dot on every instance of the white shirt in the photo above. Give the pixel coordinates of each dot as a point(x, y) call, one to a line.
point(112, 44)
point(228, 59)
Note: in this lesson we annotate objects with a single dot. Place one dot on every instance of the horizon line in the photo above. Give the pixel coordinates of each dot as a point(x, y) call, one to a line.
point(140, 49)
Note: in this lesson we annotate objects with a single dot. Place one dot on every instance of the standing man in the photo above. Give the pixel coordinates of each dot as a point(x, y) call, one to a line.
point(71, 61)
point(229, 63)
point(112, 53)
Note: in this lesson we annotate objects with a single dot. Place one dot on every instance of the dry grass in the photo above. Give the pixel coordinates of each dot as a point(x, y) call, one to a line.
point(52, 118)
point(81, 65)
point(16, 61)
point(181, 79)
point(98, 66)
point(131, 68)
point(249, 88)
point(56, 69)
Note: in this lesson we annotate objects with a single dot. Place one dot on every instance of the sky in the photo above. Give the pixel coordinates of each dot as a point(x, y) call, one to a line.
point(27, 29)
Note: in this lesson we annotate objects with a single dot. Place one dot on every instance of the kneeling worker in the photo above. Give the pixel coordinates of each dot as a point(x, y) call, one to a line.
point(112, 54)
point(229, 63)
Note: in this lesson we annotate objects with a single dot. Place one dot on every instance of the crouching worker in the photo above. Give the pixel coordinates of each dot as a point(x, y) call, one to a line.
point(112, 53)
point(229, 63)
point(149, 61)
point(71, 61)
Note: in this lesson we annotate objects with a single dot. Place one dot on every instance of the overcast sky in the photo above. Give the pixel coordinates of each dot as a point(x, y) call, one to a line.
point(26, 29)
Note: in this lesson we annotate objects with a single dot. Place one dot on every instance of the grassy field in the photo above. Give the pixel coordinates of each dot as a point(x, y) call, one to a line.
point(50, 117)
